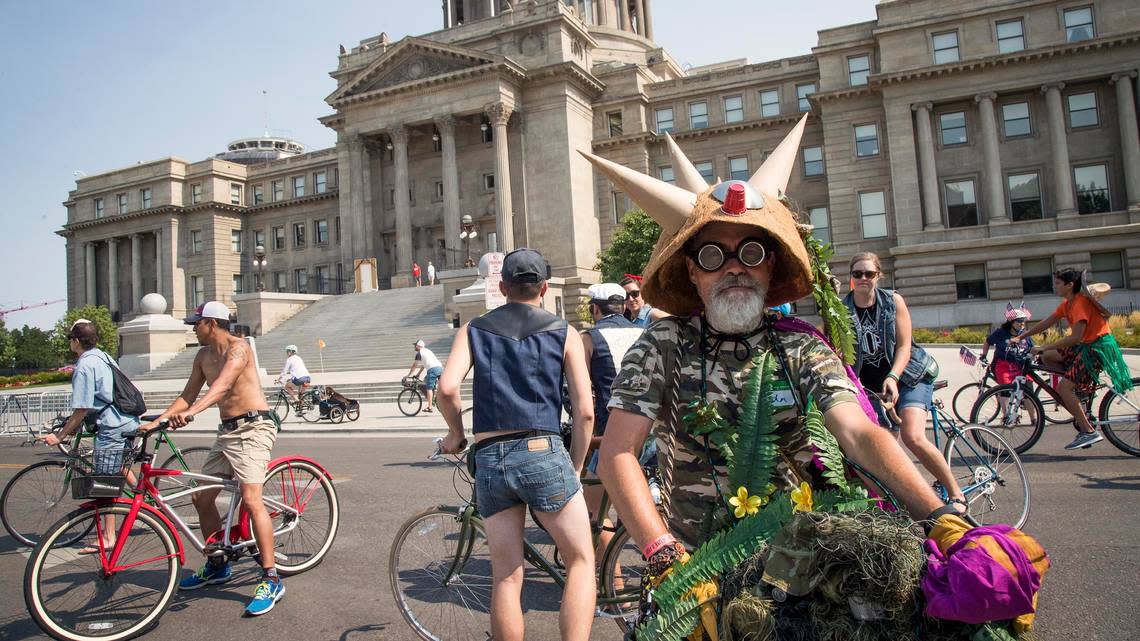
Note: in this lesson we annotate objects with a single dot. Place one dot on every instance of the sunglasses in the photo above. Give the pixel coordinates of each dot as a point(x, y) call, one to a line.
point(711, 256)
point(632, 294)
point(859, 274)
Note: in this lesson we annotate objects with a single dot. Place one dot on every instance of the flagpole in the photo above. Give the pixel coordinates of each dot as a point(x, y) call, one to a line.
point(321, 346)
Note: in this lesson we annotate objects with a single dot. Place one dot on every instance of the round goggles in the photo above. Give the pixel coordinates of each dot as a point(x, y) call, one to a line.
point(710, 257)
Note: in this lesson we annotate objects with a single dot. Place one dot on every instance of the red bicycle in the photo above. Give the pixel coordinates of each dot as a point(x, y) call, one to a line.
point(109, 569)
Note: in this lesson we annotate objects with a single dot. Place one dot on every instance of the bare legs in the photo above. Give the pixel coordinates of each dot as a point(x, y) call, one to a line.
point(210, 521)
point(912, 433)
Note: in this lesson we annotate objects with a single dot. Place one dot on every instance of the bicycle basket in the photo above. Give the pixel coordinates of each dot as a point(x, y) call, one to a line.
point(106, 476)
point(410, 382)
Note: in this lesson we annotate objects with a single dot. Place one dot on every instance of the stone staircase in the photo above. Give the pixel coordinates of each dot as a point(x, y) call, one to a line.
point(368, 331)
point(363, 392)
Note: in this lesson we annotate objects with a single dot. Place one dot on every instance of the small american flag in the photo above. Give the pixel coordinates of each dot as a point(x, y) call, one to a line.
point(967, 356)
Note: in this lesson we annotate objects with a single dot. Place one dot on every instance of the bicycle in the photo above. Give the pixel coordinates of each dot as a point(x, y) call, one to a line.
point(306, 404)
point(439, 566)
point(122, 590)
point(411, 398)
point(38, 495)
point(967, 395)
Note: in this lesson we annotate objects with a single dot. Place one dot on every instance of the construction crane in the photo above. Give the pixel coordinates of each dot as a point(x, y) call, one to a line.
point(4, 312)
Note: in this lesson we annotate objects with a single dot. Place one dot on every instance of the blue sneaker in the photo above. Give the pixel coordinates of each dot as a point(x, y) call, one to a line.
point(265, 596)
point(206, 575)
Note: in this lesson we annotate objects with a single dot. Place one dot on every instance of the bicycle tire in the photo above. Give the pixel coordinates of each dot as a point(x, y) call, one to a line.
point(281, 406)
point(1126, 438)
point(194, 458)
point(35, 499)
point(624, 551)
point(336, 414)
point(410, 402)
point(1023, 433)
point(999, 472)
point(305, 487)
point(152, 576)
point(424, 550)
point(308, 409)
point(353, 412)
point(964, 400)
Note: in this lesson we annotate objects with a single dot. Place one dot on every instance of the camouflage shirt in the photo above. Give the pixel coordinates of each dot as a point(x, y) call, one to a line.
point(661, 373)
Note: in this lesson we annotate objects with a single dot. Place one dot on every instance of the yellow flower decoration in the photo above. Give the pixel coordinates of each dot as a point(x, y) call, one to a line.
point(744, 503)
point(801, 498)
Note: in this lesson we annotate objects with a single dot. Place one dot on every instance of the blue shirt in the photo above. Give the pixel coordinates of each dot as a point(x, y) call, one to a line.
point(1000, 341)
point(93, 388)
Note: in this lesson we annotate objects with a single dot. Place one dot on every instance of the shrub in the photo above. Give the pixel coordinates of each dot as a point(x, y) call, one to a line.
point(35, 378)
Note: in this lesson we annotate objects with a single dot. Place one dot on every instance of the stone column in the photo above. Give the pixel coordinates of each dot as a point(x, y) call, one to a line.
point(928, 178)
point(1062, 172)
point(491, 8)
point(159, 283)
point(356, 195)
point(992, 184)
point(626, 23)
point(648, 19)
point(136, 270)
point(367, 221)
point(448, 22)
point(89, 272)
point(499, 113)
point(640, 17)
point(1129, 137)
point(404, 256)
point(113, 274)
point(446, 127)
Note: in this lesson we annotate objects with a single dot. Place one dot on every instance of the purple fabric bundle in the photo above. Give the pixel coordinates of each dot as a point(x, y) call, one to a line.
point(968, 584)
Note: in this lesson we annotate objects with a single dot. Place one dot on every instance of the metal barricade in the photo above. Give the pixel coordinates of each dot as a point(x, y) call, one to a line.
point(24, 414)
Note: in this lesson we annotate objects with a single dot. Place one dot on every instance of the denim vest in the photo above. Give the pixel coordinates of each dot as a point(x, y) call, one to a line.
point(517, 352)
point(612, 336)
point(921, 366)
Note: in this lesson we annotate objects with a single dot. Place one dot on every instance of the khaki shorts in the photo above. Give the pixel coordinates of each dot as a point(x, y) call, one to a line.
point(243, 453)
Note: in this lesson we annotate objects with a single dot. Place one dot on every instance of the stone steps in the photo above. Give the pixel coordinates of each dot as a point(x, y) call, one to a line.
point(363, 392)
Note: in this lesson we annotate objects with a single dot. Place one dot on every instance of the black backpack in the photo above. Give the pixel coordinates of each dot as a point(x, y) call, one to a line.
point(126, 397)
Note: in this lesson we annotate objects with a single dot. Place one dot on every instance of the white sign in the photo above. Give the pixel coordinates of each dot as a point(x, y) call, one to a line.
point(493, 297)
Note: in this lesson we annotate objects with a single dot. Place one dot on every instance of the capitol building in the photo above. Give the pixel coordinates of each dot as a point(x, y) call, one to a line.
point(975, 145)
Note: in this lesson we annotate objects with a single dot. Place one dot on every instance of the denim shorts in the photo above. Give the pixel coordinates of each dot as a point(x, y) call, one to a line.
point(534, 471)
point(433, 375)
point(918, 396)
point(301, 380)
point(109, 448)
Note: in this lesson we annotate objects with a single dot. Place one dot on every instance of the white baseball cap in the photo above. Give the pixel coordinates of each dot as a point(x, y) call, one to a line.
point(212, 309)
point(420, 343)
point(606, 292)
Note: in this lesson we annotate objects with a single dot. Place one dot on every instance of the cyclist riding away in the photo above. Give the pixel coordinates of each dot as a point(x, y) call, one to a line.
point(1088, 350)
point(426, 361)
point(294, 374)
point(1007, 350)
point(242, 447)
point(519, 353)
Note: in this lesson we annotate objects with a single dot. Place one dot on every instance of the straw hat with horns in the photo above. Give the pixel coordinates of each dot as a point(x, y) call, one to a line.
point(1095, 292)
point(684, 209)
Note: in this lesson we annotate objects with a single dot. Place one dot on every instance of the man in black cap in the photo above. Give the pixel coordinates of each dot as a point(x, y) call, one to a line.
point(520, 352)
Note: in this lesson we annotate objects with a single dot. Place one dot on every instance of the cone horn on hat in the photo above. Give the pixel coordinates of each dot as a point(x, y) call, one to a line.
point(684, 172)
point(772, 176)
point(667, 204)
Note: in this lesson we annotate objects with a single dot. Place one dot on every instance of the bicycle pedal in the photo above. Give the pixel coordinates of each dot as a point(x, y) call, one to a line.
point(281, 557)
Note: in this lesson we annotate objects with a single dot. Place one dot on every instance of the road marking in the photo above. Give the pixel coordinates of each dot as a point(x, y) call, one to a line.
point(13, 466)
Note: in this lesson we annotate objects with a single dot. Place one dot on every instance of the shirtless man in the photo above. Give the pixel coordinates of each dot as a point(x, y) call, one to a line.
point(241, 450)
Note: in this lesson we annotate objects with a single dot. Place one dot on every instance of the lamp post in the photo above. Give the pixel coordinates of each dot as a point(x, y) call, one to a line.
point(467, 235)
point(259, 262)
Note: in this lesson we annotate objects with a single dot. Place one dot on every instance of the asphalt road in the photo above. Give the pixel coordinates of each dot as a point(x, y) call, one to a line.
point(1084, 512)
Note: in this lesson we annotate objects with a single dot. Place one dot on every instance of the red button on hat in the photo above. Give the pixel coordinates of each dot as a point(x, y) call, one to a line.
point(734, 200)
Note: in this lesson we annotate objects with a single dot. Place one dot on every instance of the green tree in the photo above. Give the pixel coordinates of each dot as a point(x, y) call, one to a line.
point(33, 349)
point(98, 314)
point(630, 248)
point(7, 350)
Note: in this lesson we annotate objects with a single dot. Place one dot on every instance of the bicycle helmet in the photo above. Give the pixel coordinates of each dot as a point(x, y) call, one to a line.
point(1017, 313)
point(291, 348)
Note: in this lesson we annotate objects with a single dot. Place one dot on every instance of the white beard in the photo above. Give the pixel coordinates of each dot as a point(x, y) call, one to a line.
point(736, 311)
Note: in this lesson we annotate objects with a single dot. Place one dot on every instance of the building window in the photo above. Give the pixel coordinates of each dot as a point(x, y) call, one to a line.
point(322, 274)
point(953, 127)
point(820, 224)
point(666, 174)
point(237, 284)
point(733, 109)
point(705, 169)
point(321, 231)
point(298, 186)
point(122, 203)
point(1108, 267)
point(320, 182)
point(1015, 119)
point(259, 238)
point(1037, 276)
point(621, 205)
point(301, 280)
point(1011, 36)
point(235, 194)
point(961, 204)
point(1025, 197)
point(489, 182)
point(99, 208)
point(858, 70)
point(1082, 110)
point(802, 93)
point(145, 197)
point(1092, 189)
point(873, 211)
point(866, 140)
point(258, 194)
point(278, 238)
point(198, 287)
point(698, 115)
point(613, 120)
point(278, 189)
point(298, 235)
point(235, 241)
point(437, 191)
point(280, 282)
point(196, 241)
point(769, 103)
point(970, 281)
point(436, 142)
point(336, 229)
point(1079, 24)
point(339, 278)
point(664, 119)
point(195, 193)
point(813, 161)
point(945, 47)
point(488, 135)
point(738, 168)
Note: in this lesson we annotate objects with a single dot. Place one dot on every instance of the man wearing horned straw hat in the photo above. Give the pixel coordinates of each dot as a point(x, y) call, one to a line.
point(725, 255)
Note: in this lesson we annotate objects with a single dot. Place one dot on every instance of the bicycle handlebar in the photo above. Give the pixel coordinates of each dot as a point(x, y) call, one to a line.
point(438, 452)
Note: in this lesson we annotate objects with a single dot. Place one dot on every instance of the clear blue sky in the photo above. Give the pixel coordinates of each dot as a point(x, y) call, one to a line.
point(93, 86)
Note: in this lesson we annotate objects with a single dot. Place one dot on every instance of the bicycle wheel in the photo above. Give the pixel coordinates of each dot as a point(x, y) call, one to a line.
point(34, 499)
point(964, 400)
point(336, 414)
point(993, 480)
point(1019, 422)
point(305, 488)
point(308, 408)
point(71, 597)
point(440, 572)
point(281, 406)
point(353, 412)
point(410, 402)
point(620, 587)
point(193, 458)
point(1125, 434)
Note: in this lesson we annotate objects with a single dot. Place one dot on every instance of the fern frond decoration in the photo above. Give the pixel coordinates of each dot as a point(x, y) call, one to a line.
point(827, 448)
point(671, 626)
point(755, 431)
point(825, 292)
